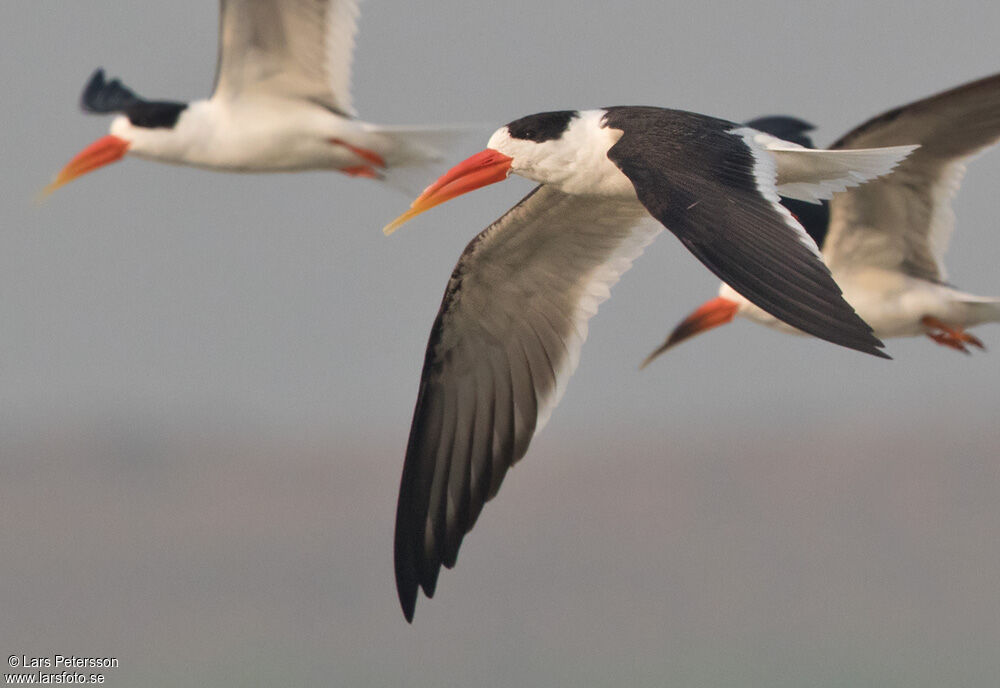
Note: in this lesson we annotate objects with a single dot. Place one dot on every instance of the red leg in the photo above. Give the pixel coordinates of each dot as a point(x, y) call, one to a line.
point(953, 337)
point(362, 171)
point(371, 156)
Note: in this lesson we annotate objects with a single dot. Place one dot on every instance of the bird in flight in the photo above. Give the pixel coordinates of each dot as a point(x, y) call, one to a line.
point(515, 313)
point(281, 103)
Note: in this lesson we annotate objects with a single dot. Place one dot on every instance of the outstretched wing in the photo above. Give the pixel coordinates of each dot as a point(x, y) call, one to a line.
point(904, 221)
point(722, 204)
point(505, 342)
point(289, 48)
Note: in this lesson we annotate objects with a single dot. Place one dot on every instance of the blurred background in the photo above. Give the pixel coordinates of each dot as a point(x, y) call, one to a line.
point(206, 383)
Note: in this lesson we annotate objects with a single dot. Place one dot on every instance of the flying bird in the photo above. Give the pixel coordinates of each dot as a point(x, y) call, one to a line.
point(281, 103)
point(514, 316)
point(885, 241)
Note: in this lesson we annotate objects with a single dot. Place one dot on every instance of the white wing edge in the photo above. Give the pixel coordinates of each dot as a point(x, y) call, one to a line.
point(765, 174)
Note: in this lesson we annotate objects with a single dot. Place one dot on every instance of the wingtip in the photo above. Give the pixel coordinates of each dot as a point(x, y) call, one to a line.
point(871, 345)
point(880, 354)
point(407, 593)
point(408, 611)
point(877, 347)
point(866, 342)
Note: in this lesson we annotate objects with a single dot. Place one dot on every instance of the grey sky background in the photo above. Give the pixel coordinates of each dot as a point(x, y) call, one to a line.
point(206, 383)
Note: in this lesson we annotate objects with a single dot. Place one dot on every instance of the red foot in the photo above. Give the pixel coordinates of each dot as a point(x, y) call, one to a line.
point(361, 171)
point(371, 156)
point(953, 337)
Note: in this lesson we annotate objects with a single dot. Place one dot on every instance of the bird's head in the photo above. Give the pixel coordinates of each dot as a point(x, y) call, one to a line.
point(567, 149)
point(540, 147)
point(149, 129)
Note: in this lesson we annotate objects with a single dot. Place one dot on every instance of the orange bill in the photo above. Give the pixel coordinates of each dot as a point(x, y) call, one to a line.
point(101, 152)
point(483, 168)
point(710, 314)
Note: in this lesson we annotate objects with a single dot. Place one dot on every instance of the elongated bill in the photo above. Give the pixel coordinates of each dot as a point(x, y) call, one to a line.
point(483, 168)
point(710, 314)
point(103, 151)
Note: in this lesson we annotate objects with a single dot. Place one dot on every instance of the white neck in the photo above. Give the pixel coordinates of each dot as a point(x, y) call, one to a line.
point(178, 144)
point(576, 163)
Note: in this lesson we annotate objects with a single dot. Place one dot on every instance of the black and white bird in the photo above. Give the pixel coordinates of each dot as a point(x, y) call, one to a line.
point(281, 103)
point(884, 242)
point(514, 316)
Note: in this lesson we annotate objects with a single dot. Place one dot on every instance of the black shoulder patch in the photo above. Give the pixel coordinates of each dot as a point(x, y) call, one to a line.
point(784, 127)
point(103, 97)
point(545, 126)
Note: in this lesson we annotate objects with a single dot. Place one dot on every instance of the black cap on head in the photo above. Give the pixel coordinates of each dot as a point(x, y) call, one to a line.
point(544, 126)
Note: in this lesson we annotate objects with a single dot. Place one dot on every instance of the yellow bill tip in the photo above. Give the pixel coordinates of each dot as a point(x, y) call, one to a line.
point(399, 222)
point(50, 188)
point(101, 152)
point(651, 357)
point(43, 194)
point(486, 167)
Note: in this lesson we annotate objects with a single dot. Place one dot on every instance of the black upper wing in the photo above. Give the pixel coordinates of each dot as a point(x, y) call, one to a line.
point(705, 182)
